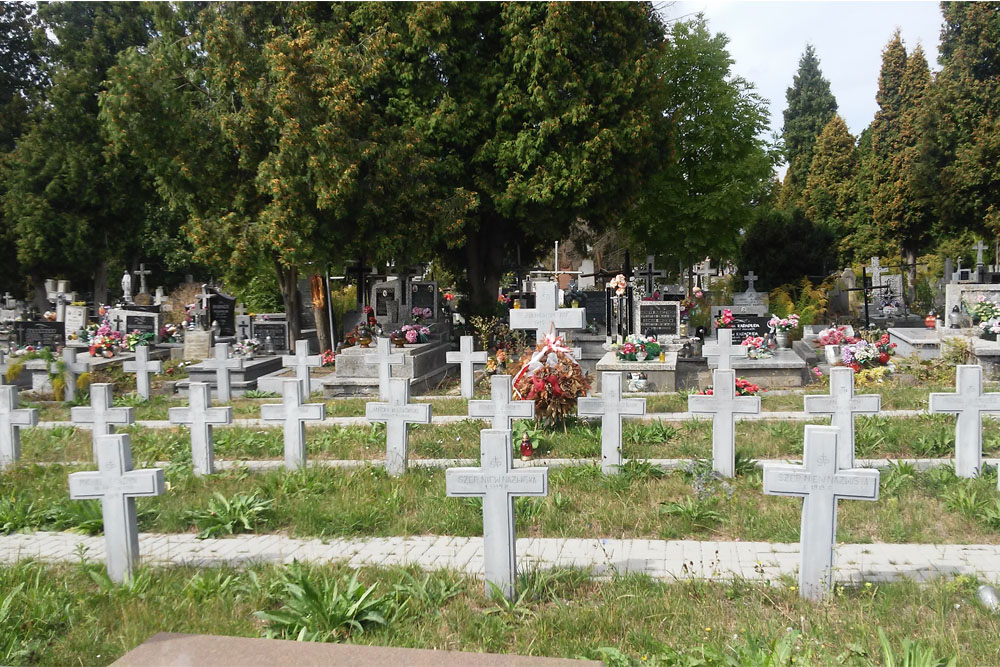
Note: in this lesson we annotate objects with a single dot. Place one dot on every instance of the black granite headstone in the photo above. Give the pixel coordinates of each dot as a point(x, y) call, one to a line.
point(40, 334)
point(140, 324)
point(745, 326)
point(659, 318)
point(278, 331)
point(595, 305)
point(222, 309)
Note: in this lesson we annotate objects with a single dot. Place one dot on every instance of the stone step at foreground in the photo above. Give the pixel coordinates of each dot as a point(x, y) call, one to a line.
point(669, 560)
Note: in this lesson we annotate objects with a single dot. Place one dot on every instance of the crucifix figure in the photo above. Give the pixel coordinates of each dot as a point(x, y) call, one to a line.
point(117, 486)
point(820, 484)
point(100, 415)
point(969, 403)
point(723, 404)
point(294, 413)
point(465, 358)
point(500, 409)
point(222, 364)
point(397, 414)
point(385, 359)
point(547, 314)
point(143, 369)
point(201, 418)
point(650, 273)
point(73, 368)
point(724, 349)
point(302, 361)
point(496, 482)
point(11, 421)
point(611, 407)
point(142, 273)
point(751, 278)
point(842, 405)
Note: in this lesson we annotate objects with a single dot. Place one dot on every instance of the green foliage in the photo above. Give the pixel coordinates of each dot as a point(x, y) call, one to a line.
point(829, 194)
point(699, 514)
point(240, 513)
point(786, 247)
point(808, 301)
point(912, 654)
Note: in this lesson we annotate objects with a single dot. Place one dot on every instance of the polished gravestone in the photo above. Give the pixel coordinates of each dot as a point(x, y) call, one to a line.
point(611, 407)
point(11, 420)
point(969, 403)
point(723, 404)
point(294, 414)
point(143, 369)
point(101, 416)
point(201, 418)
point(398, 413)
point(841, 404)
point(500, 409)
point(465, 358)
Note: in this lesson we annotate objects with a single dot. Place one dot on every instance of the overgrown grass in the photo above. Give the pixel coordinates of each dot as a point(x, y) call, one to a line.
point(60, 615)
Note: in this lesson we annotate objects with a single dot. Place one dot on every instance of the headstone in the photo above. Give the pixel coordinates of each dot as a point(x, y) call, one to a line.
point(723, 348)
point(101, 416)
point(465, 358)
point(611, 407)
point(294, 413)
point(384, 358)
point(595, 307)
point(386, 300)
point(969, 403)
point(500, 409)
point(842, 405)
point(40, 334)
point(659, 318)
point(302, 361)
point(197, 345)
point(876, 272)
point(143, 323)
point(751, 297)
point(117, 486)
point(745, 324)
point(276, 329)
point(398, 414)
point(222, 365)
point(11, 421)
point(496, 482)
point(821, 485)
point(201, 418)
point(546, 314)
point(76, 319)
point(71, 369)
point(244, 326)
point(222, 309)
point(143, 368)
point(424, 294)
point(723, 404)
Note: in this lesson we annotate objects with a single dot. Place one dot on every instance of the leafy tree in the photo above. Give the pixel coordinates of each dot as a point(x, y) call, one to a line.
point(714, 166)
point(811, 105)
point(785, 246)
point(829, 193)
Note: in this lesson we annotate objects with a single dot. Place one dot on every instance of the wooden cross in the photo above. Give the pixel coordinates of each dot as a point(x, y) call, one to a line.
point(100, 415)
point(11, 421)
point(302, 361)
point(143, 368)
point(222, 365)
point(201, 418)
point(397, 414)
point(969, 403)
point(611, 407)
point(723, 404)
point(500, 408)
point(294, 413)
point(842, 405)
point(465, 357)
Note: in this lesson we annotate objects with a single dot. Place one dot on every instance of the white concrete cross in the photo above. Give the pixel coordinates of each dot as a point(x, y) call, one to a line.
point(100, 414)
point(842, 405)
point(117, 486)
point(821, 485)
point(723, 404)
point(650, 274)
point(72, 369)
point(142, 273)
point(398, 414)
point(724, 349)
point(547, 314)
point(143, 368)
point(877, 272)
point(465, 357)
point(302, 361)
point(11, 421)
point(611, 407)
point(385, 359)
point(497, 483)
point(969, 403)
point(751, 278)
point(294, 413)
point(222, 364)
point(979, 248)
point(500, 408)
point(240, 309)
point(201, 418)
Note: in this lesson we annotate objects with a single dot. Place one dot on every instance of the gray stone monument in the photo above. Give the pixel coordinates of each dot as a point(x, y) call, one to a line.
point(117, 486)
point(142, 273)
point(841, 404)
point(201, 418)
point(547, 314)
point(384, 358)
point(465, 357)
point(73, 368)
point(500, 409)
point(821, 485)
point(294, 414)
point(11, 421)
point(611, 407)
point(723, 404)
point(496, 482)
point(724, 349)
point(302, 361)
point(100, 415)
point(143, 368)
point(969, 403)
point(398, 414)
point(222, 364)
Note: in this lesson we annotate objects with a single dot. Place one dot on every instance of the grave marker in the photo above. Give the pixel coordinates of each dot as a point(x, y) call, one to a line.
point(821, 485)
point(302, 361)
point(142, 273)
point(547, 314)
point(659, 318)
point(500, 408)
point(384, 358)
point(276, 329)
point(398, 414)
point(969, 403)
point(465, 357)
point(117, 486)
point(11, 421)
point(201, 418)
point(294, 413)
point(842, 405)
point(222, 364)
point(724, 349)
point(72, 368)
point(650, 273)
point(723, 404)
point(143, 368)
point(40, 334)
point(496, 482)
point(611, 407)
point(100, 415)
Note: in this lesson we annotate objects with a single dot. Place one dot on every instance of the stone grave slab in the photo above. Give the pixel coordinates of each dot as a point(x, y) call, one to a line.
point(660, 375)
point(723, 404)
point(611, 407)
point(387, 298)
point(241, 380)
point(659, 318)
point(40, 334)
point(784, 370)
point(924, 342)
point(76, 319)
point(197, 345)
point(277, 330)
point(397, 414)
point(424, 294)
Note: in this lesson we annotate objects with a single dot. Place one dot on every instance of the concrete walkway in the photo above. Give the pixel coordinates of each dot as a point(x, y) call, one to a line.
point(760, 561)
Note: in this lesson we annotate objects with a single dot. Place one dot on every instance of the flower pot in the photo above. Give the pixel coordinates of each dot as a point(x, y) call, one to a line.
point(399, 342)
point(640, 356)
point(781, 338)
point(365, 341)
point(832, 354)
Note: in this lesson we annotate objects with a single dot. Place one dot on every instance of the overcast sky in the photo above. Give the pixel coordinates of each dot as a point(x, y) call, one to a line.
point(766, 40)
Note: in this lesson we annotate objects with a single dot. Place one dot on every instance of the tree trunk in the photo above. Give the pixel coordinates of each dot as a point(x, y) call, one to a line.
point(288, 280)
point(320, 300)
point(100, 285)
point(484, 265)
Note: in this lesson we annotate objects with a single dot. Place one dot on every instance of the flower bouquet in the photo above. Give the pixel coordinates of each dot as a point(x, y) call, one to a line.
point(137, 338)
point(411, 333)
point(171, 333)
point(743, 388)
point(328, 358)
point(990, 328)
point(637, 348)
point(831, 336)
point(784, 324)
point(867, 354)
point(618, 283)
point(552, 378)
point(983, 310)
point(725, 320)
point(757, 347)
point(420, 314)
point(102, 340)
point(246, 348)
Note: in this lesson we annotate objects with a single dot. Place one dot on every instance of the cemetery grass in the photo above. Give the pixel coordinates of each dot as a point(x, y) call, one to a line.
point(641, 502)
point(70, 614)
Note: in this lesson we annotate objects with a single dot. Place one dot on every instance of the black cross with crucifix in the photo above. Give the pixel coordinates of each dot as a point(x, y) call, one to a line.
point(866, 290)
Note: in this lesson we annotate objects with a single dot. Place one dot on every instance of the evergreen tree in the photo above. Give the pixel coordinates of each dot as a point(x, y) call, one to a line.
point(829, 193)
point(810, 107)
point(887, 144)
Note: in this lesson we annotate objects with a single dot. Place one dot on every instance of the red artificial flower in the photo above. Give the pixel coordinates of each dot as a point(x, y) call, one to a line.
point(883, 358)
point(554, 383)
point(856, 366)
